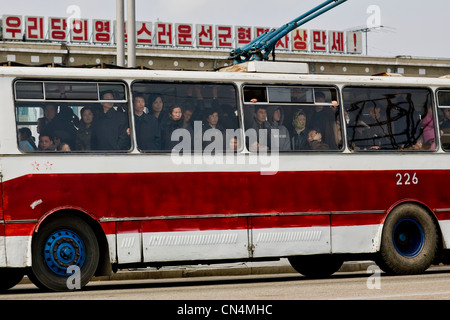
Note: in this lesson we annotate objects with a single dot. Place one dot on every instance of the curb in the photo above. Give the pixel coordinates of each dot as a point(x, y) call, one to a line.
point(239, 270)
point(236, 269)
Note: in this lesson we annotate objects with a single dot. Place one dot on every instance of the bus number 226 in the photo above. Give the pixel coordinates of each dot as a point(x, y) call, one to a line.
point(406, 179)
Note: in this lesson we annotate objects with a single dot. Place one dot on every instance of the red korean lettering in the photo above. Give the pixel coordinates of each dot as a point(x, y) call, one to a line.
point(80, 30)
point(243, 35)
point(319, 39)
point(143, 32)
point(57, 29)
point(336, 39)
point(184, 35)
point(205, 35)
point(224, 37)
point(164, 34)
point(34, 28)
point(300, 40)
point(12, 27)
point(102, 31)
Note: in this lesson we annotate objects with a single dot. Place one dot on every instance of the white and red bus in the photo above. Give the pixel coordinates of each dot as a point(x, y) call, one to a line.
point(360, 171)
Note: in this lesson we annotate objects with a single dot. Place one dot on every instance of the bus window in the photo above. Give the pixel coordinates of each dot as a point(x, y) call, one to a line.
point(307, 119)
point(389, 118)
point(161, 108)
point(29, 90)
point(71, 116)
point(444, 118)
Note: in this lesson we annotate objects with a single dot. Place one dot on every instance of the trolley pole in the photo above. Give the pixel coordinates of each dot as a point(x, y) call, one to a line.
point(120, 30)
point(131, 33)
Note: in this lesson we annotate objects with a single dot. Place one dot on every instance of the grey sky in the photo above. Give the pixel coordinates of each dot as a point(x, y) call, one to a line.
point(415, 27)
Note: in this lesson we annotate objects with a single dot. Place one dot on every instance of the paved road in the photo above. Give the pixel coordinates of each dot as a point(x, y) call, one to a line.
point(363, 285)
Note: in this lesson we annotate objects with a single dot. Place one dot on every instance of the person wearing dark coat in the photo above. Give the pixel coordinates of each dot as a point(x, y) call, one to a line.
point(110, 129)
point(147, 127)
point(176, 122)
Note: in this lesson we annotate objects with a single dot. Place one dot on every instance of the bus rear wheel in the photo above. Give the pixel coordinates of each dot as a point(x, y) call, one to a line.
point(316, 266)
point(409, 242)
point(65, 254)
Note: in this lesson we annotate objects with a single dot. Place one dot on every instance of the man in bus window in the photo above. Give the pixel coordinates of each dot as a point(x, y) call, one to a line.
point(111, 128)
point(262, 127)
point(147, 129)
point(323, 118)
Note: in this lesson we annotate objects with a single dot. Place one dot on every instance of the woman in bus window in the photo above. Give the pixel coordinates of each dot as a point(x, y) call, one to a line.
point(175, 122)
point(84, 134)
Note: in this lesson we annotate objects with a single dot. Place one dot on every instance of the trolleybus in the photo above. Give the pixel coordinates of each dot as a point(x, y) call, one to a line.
point(100, 172)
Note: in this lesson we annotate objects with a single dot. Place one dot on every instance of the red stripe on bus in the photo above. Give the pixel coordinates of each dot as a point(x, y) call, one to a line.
point(202, 194)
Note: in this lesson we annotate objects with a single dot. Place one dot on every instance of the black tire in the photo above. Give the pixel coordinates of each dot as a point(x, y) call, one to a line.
point(58, 245)
point(316, 266)
point(9, 277)
point(409, 242)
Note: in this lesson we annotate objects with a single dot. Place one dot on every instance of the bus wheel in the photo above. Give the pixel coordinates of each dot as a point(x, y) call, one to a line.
point(316, 266)
point(9, 277)
point(65, 254)
point(409, 242)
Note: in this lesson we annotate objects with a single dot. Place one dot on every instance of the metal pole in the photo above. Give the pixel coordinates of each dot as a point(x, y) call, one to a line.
point(120, 42)
point(131, 33)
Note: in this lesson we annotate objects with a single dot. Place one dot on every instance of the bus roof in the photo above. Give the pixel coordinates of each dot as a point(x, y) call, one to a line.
point(259, 72)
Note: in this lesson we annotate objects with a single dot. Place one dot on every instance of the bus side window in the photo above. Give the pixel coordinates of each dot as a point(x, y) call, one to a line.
point(294, 119)
point(389, 118)
point(443, 101)
point(203, 111)
point(70, 116)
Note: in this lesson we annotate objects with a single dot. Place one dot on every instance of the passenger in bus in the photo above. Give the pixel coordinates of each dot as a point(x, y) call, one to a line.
point(213, 129)
point(299, 134)
point(50, 111)
point(262, 129)
point(275, 117)
point(187, 118)
point(84, 133)
point(428, 130)
point(63, 147)
point(228, 116)
point(147, 129)
point(175, 122)
point(46, 142)
point(372, 131)
point(444, 126)
point(315, 140)
point(233, 144)
point(111, 126)
point(323, 118)
point(158, 110)
point(60, 137)
point(26, 140)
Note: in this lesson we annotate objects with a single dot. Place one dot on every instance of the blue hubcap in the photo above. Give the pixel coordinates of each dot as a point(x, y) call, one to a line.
point(408, 237)
point(63, 249)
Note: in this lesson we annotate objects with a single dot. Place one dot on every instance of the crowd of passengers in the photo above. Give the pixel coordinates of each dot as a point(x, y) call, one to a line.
point(106, 127)
point(316, 128)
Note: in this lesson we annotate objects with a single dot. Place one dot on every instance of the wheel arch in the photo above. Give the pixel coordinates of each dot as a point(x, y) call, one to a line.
point(418, 203)
point(104, 264)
